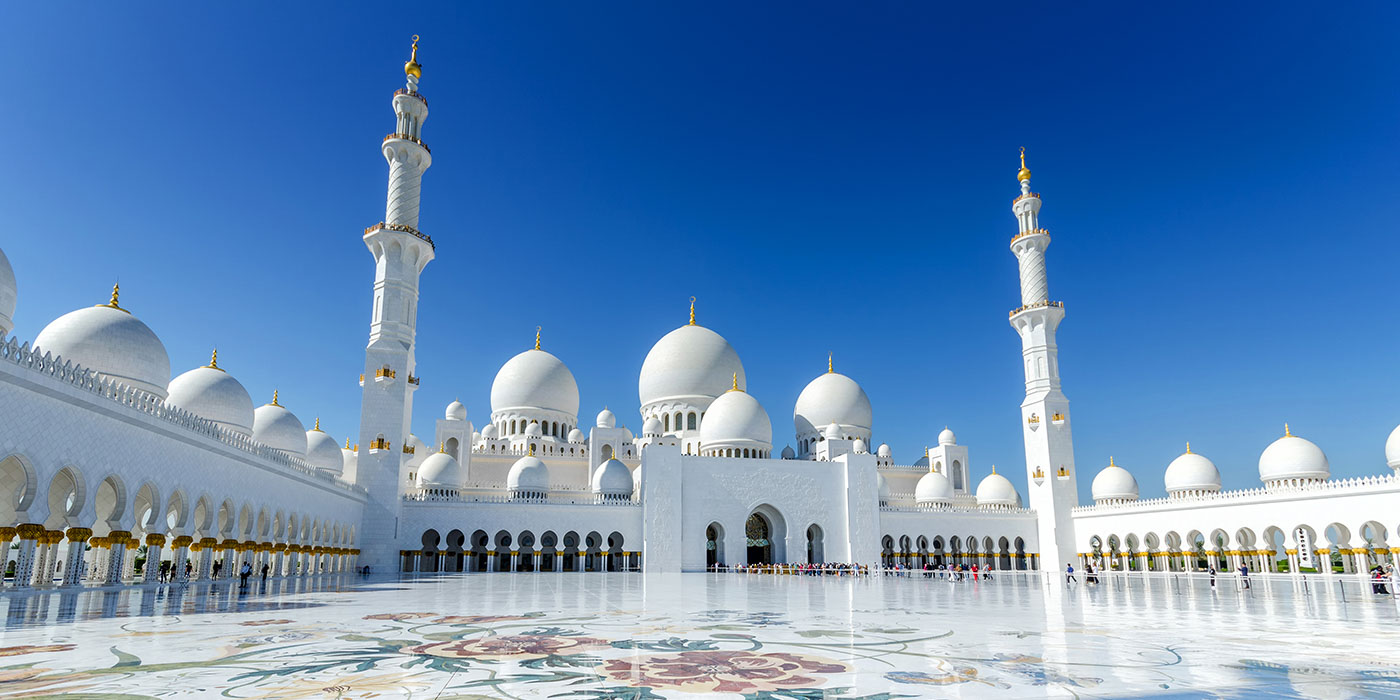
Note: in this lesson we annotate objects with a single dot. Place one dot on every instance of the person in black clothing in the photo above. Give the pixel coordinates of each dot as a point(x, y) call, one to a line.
point(264, 573)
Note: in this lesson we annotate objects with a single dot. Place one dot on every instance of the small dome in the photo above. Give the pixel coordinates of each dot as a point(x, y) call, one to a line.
point(1292, 457)
point(651, 427)
point(276, 427)
point(489, 432)
point(322, 451)
point(933, 488)
point(9, 294)
point(535, 379)
point(576, 437)
point(627, 434)
point(440, 469)
point(534, 429)
point(1392, 449)
point(832, 432)
point(606, 419)
point(612, 478)
point(1114, 483)
point(884, 451)
point(1191, 472)
point(455, 411)
point(832, 398)
point(922, 461)
point(691, 364)
point(476, 436)
point(110, 341)
point(860, 447)
point(947, 437)
point(996, 490)
point(213, 394)
point(528, 474)
point(736, 419)
point(788, 452)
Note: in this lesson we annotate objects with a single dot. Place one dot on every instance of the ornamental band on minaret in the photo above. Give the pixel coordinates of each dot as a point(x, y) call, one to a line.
point(1045, 422)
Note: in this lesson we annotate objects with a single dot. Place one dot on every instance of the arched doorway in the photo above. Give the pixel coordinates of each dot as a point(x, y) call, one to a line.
point(760, 539)
point(714, 545)
point(766, 535)
point(815, 555)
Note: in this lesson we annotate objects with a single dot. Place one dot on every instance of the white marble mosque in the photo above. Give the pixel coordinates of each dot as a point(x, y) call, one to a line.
point(109, 464)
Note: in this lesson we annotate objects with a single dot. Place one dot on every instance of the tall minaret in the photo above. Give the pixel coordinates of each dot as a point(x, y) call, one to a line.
point(400, 252)
point(1045, 419)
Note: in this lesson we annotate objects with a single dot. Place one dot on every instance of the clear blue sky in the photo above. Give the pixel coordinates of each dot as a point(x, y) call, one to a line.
point(824, 177)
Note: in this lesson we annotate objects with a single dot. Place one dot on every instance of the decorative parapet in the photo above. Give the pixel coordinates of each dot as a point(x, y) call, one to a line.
point(1036, 305)
point(1032, 232)
point(1027, 195)
point(408, 137)
point(467, 495)
point(958, 509)
point(105, 389)
point(1361, 484)
point(401, 228)
point(411, 93)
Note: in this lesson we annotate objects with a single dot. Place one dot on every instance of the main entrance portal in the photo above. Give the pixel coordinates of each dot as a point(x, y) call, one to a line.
point(759, 533)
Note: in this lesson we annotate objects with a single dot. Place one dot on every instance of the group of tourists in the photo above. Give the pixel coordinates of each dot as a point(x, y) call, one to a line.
point(827, 569)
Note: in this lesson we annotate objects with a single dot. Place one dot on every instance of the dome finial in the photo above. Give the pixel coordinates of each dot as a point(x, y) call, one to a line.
point(412, 67)
point(736, 382)
point(692, 310)
point(994, 468)
point(1285, 431)
point(274, 399)
point(537, 337)
point(829, 369)
point(1188, 447)
point(1110, 461)
point(116, 291)
point(441, 450)
point(317, 427)
point(347, 443)
point(532, 449)
point(1025, 173)
point(214, 361)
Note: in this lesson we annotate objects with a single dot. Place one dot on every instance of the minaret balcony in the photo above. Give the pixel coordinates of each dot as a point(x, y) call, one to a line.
point(1032, 232)
point(418, 96)
point(401, 228)
point(384, 376)
point(1027, 195)
point(408, 137)
point(1037, 305)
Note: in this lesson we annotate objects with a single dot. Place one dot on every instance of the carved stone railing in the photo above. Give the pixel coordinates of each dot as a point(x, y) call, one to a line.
point(1359, 484)
point(104, 389)
point(1036, 305)
point(411, 93)
point(401, 228)
point(958, 509)
point(469, 495)
point(408, 137)
point(1027, 195)
point(1032, 232)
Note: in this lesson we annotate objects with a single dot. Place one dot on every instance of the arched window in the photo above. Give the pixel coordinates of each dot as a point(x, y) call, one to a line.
point(690, 421)
point(666, 422)
point(678, 421)
point(958, 483)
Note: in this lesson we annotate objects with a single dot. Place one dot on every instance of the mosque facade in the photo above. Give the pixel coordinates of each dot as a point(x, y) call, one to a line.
point(107, 459)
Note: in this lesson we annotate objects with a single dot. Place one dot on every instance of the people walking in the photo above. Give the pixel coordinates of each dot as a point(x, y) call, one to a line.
point(243, 574)
point(265, 568)
point(1244, 575)
point(1069, 574)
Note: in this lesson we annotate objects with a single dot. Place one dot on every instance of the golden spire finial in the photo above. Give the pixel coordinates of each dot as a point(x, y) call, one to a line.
point(1110, 461)
point(532, 449)
point(736, 382)
point(274, 399)
point(692, 310)
point(214, 361)
point(925, 451)
point(829, 369)
point(317, 427)
point(537, 337)
point(347, 443)
point(112, 304)
point(1188, 447)
point(994, 468)
point(412, 67)
point(1025, 173)
point(1285, 431)
point(441, 450)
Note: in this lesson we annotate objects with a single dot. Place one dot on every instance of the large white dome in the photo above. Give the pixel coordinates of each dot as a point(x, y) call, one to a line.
point(996, 490)
point(832, 398)
point(109, 340)
point(535, 379)
point(440, 469)
point(529, 475)
point(276, 427)
point(691, 364)
point(1292, 457)
point(1114, 483)
point(9, 294)
point(933, 488)
point(213, 394)
point(612, 478)
point(736, 419)
point(322, 451)
point(1191, 472)
point(1392, 449)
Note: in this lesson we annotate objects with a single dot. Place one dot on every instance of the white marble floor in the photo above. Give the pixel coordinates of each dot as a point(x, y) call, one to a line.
point(629, 636)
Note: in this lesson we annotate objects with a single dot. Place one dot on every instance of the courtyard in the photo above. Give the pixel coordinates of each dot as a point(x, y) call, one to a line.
point(754, 636)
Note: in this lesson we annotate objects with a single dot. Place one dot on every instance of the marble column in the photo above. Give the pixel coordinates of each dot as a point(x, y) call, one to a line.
point(116, 552)
point(29, 534)
point(179, 555)
point(559, 559)
point(150, 573)
point(208, 551)
point(73, 566)
point(581, 560)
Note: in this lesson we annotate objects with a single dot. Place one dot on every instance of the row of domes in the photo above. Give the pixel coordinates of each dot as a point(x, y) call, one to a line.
point(995, 491)
point(117, 345)
point(1289, 460)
